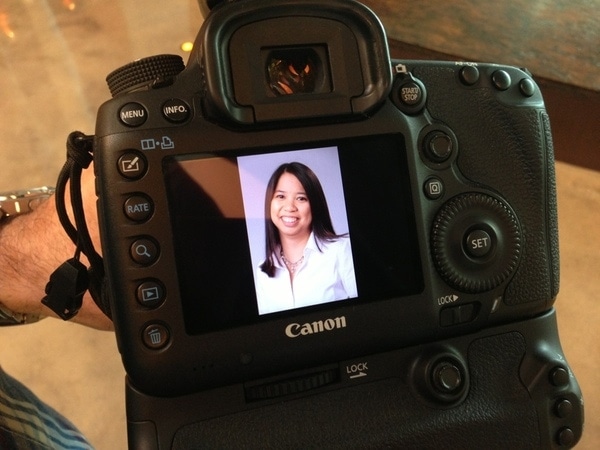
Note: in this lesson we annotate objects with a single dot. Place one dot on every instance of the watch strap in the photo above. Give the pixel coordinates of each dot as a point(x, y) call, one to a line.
point(13, 204)
point(21, 202)
point(8, 317)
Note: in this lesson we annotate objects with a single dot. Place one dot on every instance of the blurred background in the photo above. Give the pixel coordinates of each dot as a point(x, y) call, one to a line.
point(55, 55)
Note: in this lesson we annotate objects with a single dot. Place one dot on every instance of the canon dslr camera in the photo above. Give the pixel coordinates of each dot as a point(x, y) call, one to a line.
point(419, 312)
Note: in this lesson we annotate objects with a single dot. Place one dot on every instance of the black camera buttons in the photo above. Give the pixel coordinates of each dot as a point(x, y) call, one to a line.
point(138, 207)
point(479, 243)
point(438, 146)
point(559, 377)
point(501, 80)
point(447, 377)
point(176, 110)
point(563, 408)
point(475, 242)
point(150, 293)
point(133, 115)
point(469, 75)
point(527, 87)
point(156, 336)
point(566, 437)
point(144, 251)
point(433, 188)
point(440, 377)
point(410, 95)
point(132, 165)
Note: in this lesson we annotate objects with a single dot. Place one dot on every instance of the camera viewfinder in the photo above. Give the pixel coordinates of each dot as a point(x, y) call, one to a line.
point(292, 71)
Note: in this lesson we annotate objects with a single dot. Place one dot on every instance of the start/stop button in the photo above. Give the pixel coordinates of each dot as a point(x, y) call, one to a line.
point(410, 95)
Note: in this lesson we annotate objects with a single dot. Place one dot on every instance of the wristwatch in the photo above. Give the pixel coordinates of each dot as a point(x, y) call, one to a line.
point(13, 204)
point(21, 202)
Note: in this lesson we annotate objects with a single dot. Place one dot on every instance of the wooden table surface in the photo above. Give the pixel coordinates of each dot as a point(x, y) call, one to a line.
point(557, 40)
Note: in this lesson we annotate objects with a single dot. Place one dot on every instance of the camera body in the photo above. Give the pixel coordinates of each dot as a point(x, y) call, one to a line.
point(441, 175)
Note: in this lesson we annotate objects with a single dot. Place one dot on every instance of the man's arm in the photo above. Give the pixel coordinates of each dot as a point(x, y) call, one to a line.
point(32, 246)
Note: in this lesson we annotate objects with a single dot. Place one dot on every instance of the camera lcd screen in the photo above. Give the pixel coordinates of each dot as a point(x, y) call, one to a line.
point(278, 231)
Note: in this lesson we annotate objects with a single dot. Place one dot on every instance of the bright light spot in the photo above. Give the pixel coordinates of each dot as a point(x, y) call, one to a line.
point(187, 46)
point(5, 26)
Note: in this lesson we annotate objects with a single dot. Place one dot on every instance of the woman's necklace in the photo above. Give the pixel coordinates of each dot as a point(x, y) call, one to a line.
point(292, 266)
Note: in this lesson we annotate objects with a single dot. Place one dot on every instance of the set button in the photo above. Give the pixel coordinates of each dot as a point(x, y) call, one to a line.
point(478, 243)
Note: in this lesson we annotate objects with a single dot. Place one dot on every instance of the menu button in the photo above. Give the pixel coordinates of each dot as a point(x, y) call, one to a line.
point(133, 114)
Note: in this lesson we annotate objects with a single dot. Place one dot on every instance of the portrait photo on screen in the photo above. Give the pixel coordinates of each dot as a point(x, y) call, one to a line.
point(297, 224)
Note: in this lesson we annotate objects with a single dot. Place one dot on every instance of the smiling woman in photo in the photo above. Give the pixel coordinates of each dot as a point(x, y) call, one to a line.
point(306, 262)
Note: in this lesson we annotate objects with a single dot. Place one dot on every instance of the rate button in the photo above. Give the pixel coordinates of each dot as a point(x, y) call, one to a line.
point(138, 208)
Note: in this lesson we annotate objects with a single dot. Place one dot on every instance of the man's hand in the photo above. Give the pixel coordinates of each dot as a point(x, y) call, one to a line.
point(32, 246)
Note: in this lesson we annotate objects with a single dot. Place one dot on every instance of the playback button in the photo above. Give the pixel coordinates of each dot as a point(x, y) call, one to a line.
point(150, 294)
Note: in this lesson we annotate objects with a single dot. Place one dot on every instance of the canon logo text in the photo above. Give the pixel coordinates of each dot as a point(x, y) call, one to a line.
point(294, 330)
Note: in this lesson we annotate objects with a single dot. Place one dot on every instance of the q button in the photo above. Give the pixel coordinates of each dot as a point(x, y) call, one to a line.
point(144, 251)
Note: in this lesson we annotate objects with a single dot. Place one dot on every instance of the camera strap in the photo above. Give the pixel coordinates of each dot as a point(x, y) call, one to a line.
point(68, 283)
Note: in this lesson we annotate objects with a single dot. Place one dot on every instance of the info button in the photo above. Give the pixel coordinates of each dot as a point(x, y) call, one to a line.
point(176, 111)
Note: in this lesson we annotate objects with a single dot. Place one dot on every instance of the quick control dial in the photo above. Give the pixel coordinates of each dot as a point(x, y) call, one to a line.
point(475, 242)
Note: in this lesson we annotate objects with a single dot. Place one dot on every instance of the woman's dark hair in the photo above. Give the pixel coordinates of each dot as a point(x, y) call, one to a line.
point(321, 225)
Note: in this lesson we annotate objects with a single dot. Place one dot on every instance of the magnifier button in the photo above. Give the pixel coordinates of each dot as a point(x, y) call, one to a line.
point(144, 251)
